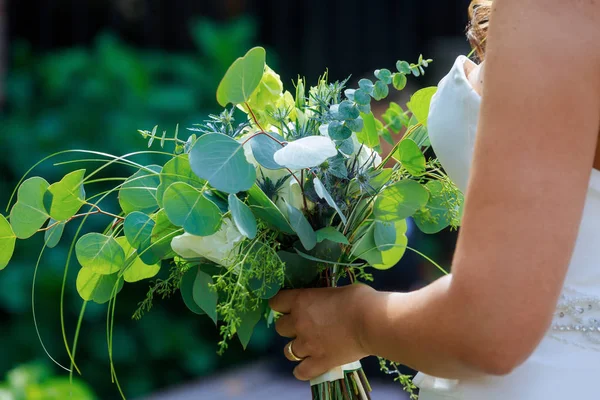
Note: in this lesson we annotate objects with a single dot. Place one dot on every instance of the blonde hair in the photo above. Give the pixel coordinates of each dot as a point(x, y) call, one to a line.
point(479, 17)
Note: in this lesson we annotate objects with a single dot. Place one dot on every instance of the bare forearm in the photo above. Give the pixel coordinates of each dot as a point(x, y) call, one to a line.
point(418, 329)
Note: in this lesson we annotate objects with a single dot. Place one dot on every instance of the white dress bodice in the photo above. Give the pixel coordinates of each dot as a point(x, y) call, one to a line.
point(567, 361)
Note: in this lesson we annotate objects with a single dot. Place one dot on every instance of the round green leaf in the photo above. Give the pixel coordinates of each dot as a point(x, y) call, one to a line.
point(362, 98)
point(160, 244)
point(331, 234)
point(434, 217)
point(53, 235)
point(380, 91)
point(221, 161)
point(347, 111)
point(135, 269)
point(101, 254)
point(98, 288)
point(63, 199)
point(391, 257)
point(7, 242)
point(29, 213)
point(365, 85)
point(368, 135)
point(187, 291)
point(366, 248)
point(419, 104)
point(187, 207)
point(403, 67)
point(384, 75)
point(249, 319)
point(138, 193)
point(266, 210)
point(399, 81)
point(400, 201)
point(302, 227)
point(177, 169)
point(338, 130)
point(243, 217)
point(385, 235)
point(242, 78)
point(138, 229)
point(264, 148)
point(355, 125)
point(204, 295)
point(410, 156)
point(324, 194)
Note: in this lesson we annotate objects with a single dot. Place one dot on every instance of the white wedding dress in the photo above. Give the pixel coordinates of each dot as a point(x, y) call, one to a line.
point(566, 364)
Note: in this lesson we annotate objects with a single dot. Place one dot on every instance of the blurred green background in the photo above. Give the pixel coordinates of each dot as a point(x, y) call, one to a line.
point(87, 75)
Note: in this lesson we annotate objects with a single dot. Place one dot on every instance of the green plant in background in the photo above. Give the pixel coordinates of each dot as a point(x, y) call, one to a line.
point(97, 98)
point(35, 381)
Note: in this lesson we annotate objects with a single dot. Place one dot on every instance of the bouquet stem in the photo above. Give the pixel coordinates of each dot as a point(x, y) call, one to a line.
point(348, 382)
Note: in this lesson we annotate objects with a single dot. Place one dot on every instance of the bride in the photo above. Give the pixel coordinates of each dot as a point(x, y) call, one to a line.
point(519, 318)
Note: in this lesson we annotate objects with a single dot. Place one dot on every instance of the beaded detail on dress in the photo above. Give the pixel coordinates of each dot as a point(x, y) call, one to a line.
point(577, 320)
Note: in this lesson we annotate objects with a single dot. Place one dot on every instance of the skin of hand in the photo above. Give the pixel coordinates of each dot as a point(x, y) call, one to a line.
point(535, 148)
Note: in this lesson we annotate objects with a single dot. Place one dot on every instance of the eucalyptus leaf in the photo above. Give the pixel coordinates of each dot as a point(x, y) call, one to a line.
point(135, 270)
point(338, 130)
point(63, 199)
point(365, 247)
point(380, 91)
point(403, 67)
point(100, 253)
point(243, 217)
point(302, 227)
point(366, 85)
point(392, 256)
point(368, 135)
point(138, 229)
point(347, 111)
point(419, 103)
point(177, 169)
point(139, 192)
point(362, 97)
point(204, 295)
point(307, 152)
point(221, 161)
point(266, 210)
point(187, 207)
point(434, 217)
point(384, 234)
point(331, 234)
point(410, 156)
point(355, 125)
point(400, 201)
point(324, 194)
point(384, 75)
point(249, 319)
point(187, 290)
point(163, 233)
point(299, 272)
point(98, 288)
point(8, 240)
point(242, 78)
point(29, 213)
point(399, 81)
point(264, 148)
point(53, 235)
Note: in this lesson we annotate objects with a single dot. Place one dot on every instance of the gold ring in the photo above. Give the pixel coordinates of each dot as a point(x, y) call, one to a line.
point(291, 352)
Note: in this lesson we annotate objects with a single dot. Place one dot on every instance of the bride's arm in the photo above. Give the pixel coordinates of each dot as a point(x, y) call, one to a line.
point(534, 152)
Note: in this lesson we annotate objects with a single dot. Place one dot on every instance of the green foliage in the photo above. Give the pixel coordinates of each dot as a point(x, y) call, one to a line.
point(54, 233)
point(221, 161)
point(400, 201)
point(96, 287)
point(138, 193)
point(242, 78)
point(63, 199)
point(419, 104)
point(187, 207)
point(331, 234)
point(264, 148)
point(177, 169)
point(243, 217)
point(204, 295)
point(443, 209)
point(302, 227)
point(263, 208)
point(7, 242)
point(29, 213)
point(101, 254)
point(411, 158)
point(138, 229)
point(134, 269)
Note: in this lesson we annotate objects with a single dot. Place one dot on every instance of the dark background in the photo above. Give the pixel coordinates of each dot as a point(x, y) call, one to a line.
point(88, 74)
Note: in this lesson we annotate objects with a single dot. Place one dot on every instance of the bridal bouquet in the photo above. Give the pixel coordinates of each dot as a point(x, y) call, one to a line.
point(278, 191)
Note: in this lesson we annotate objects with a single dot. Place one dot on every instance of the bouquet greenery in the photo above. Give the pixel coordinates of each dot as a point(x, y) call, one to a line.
point(278, 191)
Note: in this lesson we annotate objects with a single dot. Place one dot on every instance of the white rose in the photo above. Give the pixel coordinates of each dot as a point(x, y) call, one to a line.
point(217, 248)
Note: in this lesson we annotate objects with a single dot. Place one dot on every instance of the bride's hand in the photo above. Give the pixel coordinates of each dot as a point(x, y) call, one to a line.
point(325, 325)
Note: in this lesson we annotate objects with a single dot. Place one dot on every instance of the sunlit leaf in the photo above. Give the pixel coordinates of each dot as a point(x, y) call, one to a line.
point(242, 78)
point(135, 269)
point(7, 242)
point(63, 199)
point(29, 213)
point(400, 201)
point(187, 207)
point(366, 248)
point(384, 234)
point(434, 217)
point(221, 161)
point(368, 135)
point(399, 81)
point(101, 254)
point(138, 193)
point(97, 287)
point(411, 157)
point(419, 103)
point(243, 217)
point(391, 257)
point(177, 169)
